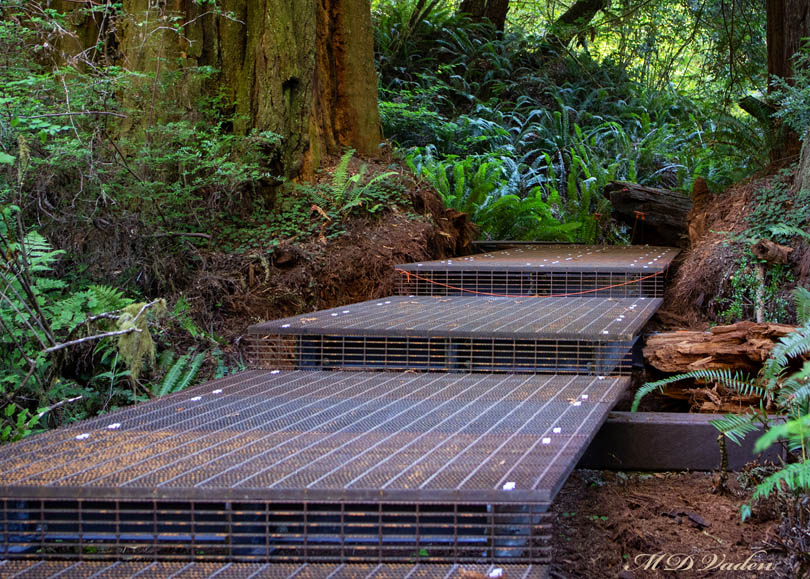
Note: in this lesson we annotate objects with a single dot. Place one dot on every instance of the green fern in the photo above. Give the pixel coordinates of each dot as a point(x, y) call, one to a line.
point(789, 389)
point(180, 375)
point(738, 382)
point(795, 432)
point(736, 426)
point(796, 477)
point(801, 298)
point(793, 345)
point(783, 229)
point(191, 374)
point(340, 179)
point(107, 299)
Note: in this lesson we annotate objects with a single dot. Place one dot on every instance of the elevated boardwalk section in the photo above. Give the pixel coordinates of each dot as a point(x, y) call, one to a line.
point(459, 334)
point(469, 401)
point(196, 570)
point(544, 270)
point(309, 466)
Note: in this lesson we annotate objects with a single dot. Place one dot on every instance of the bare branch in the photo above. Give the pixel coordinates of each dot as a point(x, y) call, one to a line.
point(76, 114)
point(57, 405)
point(105, 334)
point(90, 338)
point(180, 234)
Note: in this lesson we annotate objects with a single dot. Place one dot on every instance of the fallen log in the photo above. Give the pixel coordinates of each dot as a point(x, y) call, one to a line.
point(658, 216)
point(743, 346)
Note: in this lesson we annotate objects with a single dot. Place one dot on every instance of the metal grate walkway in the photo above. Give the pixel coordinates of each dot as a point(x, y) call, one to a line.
point(196, 570)
point(461, 334)
point(293, 471)
point(310, 466)
point(544, 270)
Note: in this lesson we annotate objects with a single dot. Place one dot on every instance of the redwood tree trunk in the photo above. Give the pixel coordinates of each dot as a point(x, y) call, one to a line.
point(788, 24)
point(493, 10)
point(575, 20)
point(303, 69)
point(345, 97)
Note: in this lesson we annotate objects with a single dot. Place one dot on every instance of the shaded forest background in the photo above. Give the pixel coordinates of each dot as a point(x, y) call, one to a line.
point(173, 171)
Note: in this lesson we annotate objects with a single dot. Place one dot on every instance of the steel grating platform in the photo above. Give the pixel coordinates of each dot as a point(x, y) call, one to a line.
point(591, 336)
point(195, 570)
point(544, 270)
point(309, 467)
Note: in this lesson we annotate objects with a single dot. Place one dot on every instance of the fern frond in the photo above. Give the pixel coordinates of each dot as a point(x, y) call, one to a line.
point(738, 382)
point(793, 345)
point(172, 377)
point(736, 426)
point(787, 230)
point(796, 477)
point(165, 359)
point(340, 178)
point(795, 388)
point(794, 431)
point(106, 298)
point(801, 298)
point(191, 373)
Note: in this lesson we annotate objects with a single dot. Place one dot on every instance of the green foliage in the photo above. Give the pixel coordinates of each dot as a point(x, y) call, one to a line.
point(181, 372)
point(302, 210)
point(744, 286)
point(348, 192)
point(42, 320)
point(779, 212)
point(793, 95)
point(489, 189)
point(17, 423)
point(780, 383)
point(736, 381)
point(801, 297)
point(566, 125)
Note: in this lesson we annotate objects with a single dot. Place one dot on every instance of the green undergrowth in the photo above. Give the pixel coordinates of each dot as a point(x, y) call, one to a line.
point(300, 212)
point(526, 141)
point(783, 389)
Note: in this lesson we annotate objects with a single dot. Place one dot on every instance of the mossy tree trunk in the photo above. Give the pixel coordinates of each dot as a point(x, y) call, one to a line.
point(303, 69)
point(345, 110)
point(788, 25)
point(493, 10)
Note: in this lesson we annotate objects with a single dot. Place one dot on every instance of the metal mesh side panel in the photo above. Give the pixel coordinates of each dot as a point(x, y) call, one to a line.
point(279, 532)
point(51, 569)
point(438, 282)
point(324, 352)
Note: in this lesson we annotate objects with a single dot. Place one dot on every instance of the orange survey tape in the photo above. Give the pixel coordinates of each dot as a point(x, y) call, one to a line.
point(409, 275)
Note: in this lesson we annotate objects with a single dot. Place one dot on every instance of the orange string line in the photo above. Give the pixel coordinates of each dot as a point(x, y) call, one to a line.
point(409, 274)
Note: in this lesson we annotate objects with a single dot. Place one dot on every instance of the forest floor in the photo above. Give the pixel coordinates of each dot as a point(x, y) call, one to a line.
point(229, 292)
point(610, 524)
point(606, 523)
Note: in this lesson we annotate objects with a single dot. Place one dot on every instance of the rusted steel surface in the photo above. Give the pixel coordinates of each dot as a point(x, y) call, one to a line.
point(196, 570)
point(309, 466)
point(476, 317)
point(544, 270)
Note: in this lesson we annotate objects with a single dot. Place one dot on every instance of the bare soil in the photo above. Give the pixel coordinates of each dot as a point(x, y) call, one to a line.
point(610, 524)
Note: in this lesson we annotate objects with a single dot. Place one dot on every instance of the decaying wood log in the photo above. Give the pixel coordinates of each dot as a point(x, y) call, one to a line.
point(659, 215)
point(771, 252)
point(742, 346)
